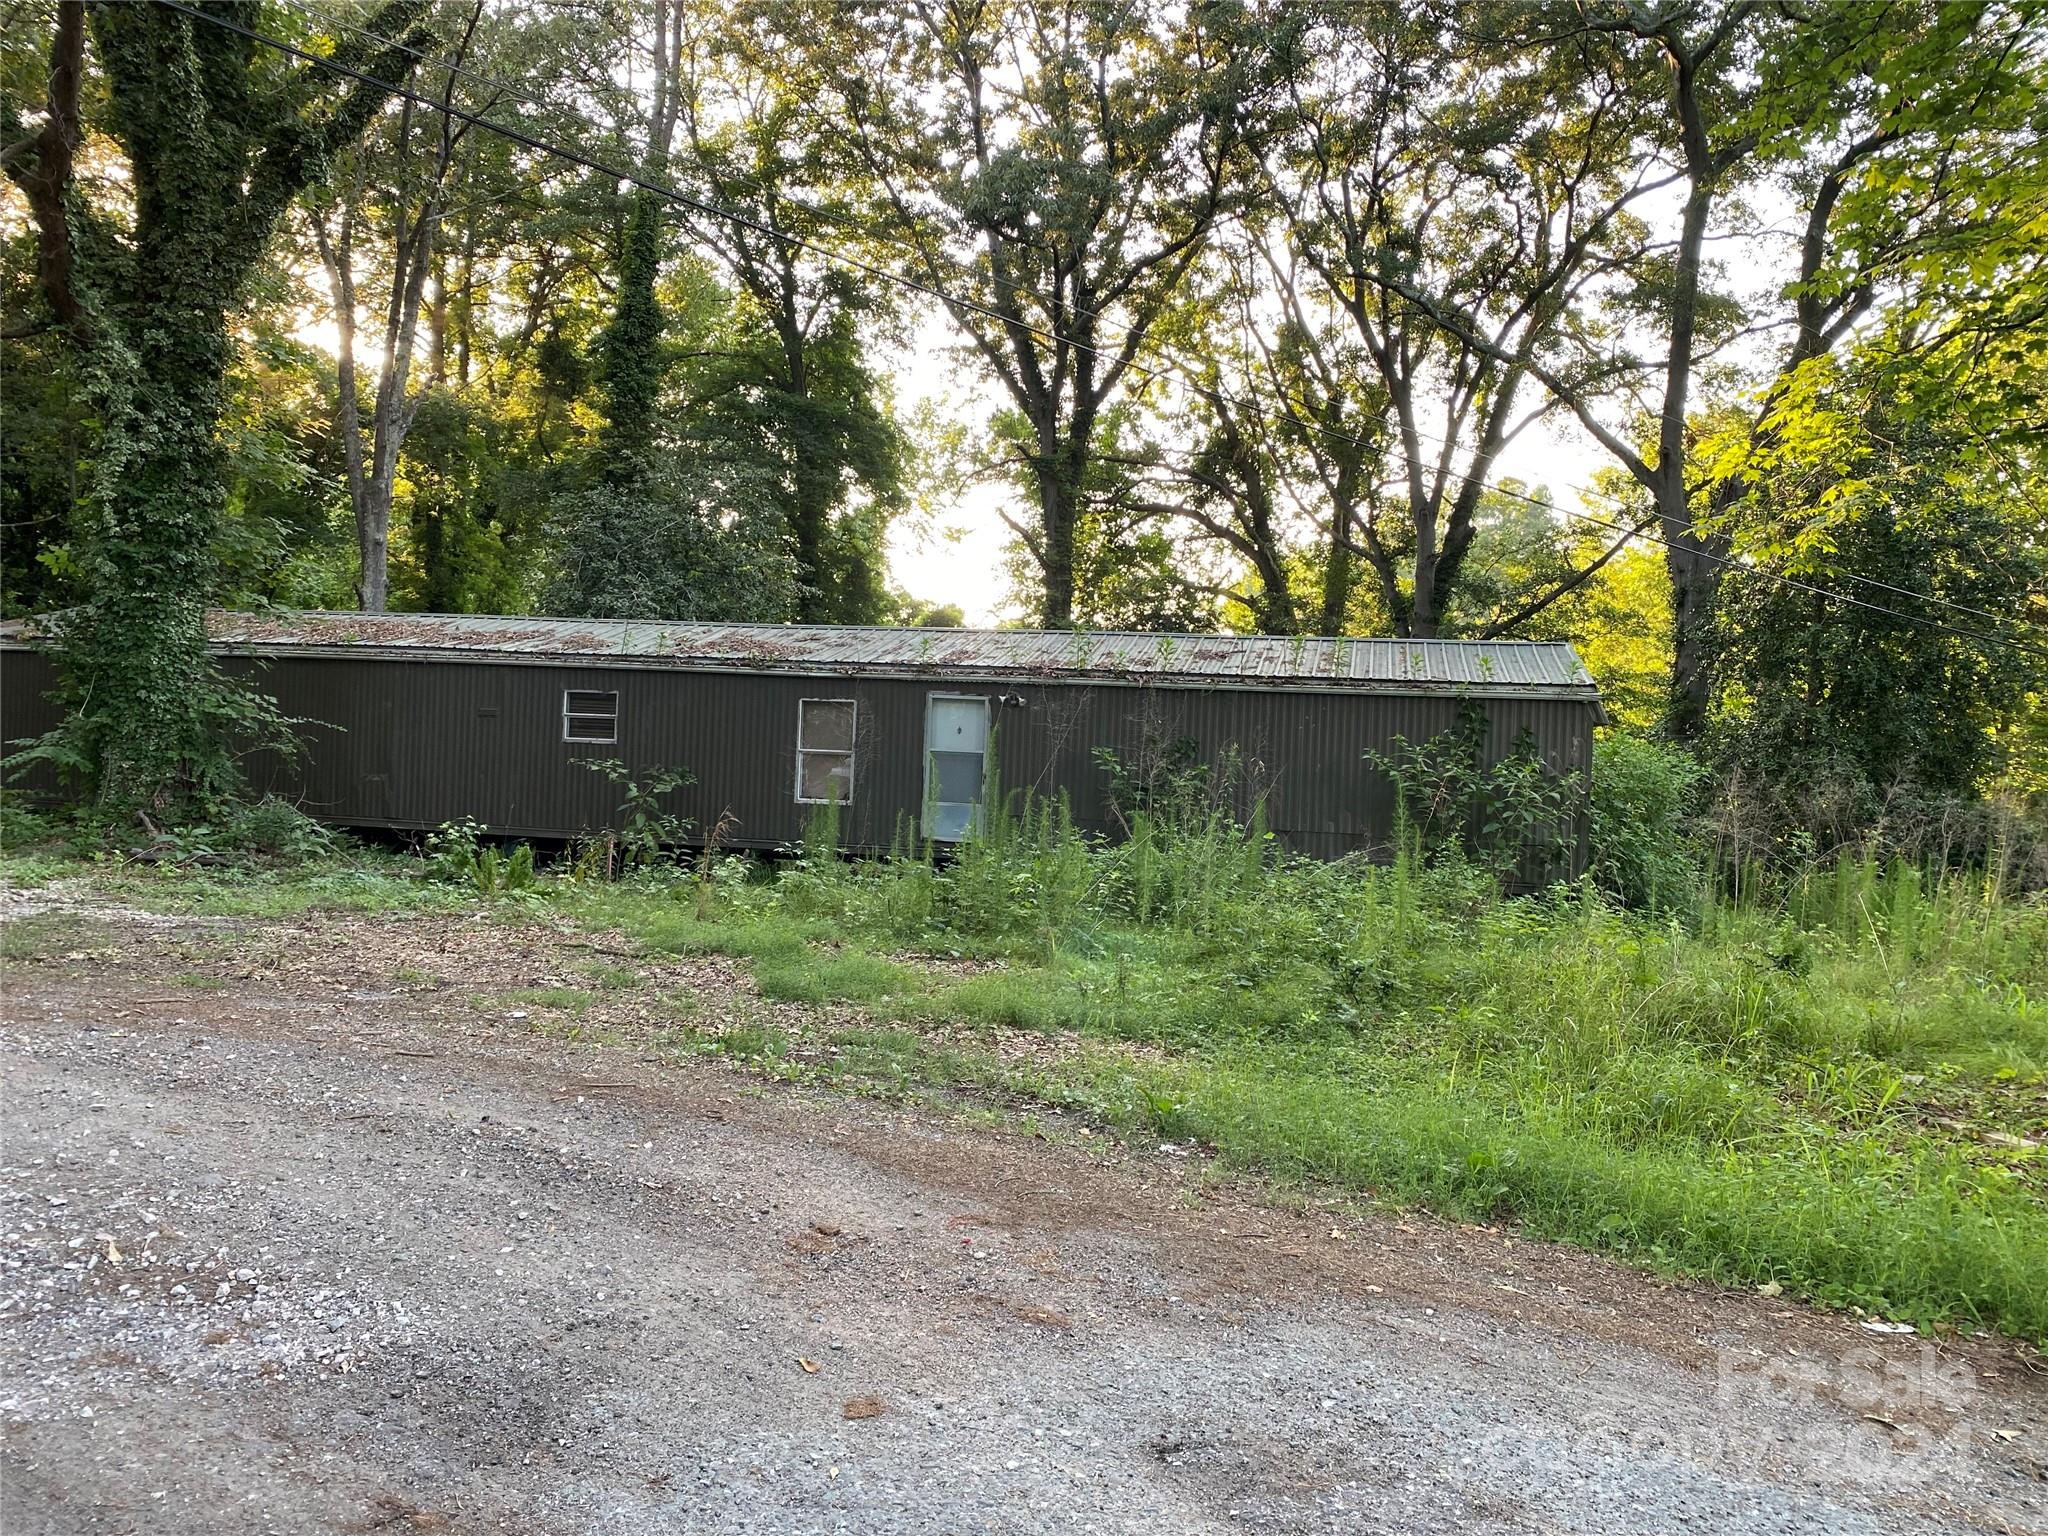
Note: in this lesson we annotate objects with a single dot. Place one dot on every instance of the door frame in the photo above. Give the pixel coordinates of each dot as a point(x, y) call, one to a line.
point(926, 803)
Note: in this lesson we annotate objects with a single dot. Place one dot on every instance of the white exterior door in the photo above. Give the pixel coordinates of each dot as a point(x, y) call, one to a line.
point(955, 759)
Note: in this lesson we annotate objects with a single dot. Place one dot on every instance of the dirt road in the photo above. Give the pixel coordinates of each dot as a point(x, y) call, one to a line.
point(294, 1246)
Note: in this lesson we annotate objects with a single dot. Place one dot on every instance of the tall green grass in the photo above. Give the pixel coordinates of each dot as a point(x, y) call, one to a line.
point(1830, 1083)
point(1834, 1078)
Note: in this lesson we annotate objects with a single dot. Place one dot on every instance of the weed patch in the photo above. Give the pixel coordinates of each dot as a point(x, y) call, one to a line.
point(50, 935)
point(560, 999)
point(1837, 1083)
point(1842, 1090)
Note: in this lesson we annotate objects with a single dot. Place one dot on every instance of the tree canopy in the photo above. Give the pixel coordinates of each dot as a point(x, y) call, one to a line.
point(479, 305)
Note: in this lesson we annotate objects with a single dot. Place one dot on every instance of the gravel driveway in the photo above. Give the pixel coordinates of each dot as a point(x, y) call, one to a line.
point(296, 1249)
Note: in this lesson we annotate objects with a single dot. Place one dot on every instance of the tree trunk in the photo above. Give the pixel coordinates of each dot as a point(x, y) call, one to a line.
point(1058, 607)
point(809, 511)
point(1695, 582)
point(154, 724)
point(1058, 505)
point(1276, 611)
point(437, 327)
point(630, 351)
point(1422, 606)
point(392, 419)
point(373, 550)
point(1422, 618)
point(1695, 574)
point(465, 301)
point(138, 651)
point(1056, 533)
point(369, 465)
point(1337, 578)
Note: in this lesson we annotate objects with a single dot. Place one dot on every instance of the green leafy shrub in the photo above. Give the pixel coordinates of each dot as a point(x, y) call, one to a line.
point(22, 826)
point(647, 833)
point(1510, 816)
point(1643, 853)
point(278, 828)
point(460, 852)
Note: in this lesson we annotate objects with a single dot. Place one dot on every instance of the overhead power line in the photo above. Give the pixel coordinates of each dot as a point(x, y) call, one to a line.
point(1586, 494)
point(856, 263)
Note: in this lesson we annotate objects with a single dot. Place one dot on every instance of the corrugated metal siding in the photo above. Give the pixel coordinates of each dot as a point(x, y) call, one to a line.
point(417, 743)
point(414, 742)
point(26, 712)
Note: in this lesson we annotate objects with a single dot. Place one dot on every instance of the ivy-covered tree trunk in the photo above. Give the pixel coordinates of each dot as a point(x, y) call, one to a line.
point(220, 134)
point(813, 492)
point(152, 709)
point(631, 356)
point(1059, 471)
point(1338, 574)
point(1056, 570)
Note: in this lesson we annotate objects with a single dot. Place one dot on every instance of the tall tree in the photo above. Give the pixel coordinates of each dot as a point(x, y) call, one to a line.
point(632, 359)
point(1054, 168)
point(677, 521)
point(219, 136)
point(1419, 156)
point(1899, 134)
point(790, 371)
point(1271, 444)
point(398, 180)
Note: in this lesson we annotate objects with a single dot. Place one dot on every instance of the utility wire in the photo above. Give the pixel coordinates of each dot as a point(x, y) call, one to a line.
point(1585, 494)
point(929, 290)
point(499, 84)
point(439, 62)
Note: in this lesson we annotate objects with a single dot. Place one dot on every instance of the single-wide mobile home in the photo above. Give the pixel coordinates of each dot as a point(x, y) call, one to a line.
point(412, 720)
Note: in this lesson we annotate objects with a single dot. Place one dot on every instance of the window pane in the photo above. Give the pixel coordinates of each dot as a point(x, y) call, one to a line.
point(951, 823)
point(578, 702)
point(591, 728)
point(956, 777)
point(826, 775)
point(826, 724)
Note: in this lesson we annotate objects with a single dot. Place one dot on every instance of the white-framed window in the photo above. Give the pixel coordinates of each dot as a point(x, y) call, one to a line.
point(955, 764)
point(589, 716)
point(824, 751)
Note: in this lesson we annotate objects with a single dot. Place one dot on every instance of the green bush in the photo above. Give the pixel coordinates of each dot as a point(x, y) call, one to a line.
point(647, 833)
point(1512, 816)
point(276, 827)
point(1643, 853)
point(460, 853)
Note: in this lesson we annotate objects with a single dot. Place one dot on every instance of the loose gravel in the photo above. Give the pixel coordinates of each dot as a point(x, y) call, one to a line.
point(299, 1251)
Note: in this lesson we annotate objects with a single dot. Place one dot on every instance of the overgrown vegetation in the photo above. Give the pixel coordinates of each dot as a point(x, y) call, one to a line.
point(1789, 1026)
point(218, 142)
point(460, 852)
point(1513, 815)
point(1838, 1083)
point(1832, 1078)
point(1816, 553)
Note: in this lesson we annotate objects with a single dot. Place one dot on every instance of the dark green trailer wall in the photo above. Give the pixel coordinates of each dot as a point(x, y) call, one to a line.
point(411, 742)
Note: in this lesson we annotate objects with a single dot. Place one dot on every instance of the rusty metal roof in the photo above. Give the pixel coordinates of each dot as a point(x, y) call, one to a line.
point(1545, 668)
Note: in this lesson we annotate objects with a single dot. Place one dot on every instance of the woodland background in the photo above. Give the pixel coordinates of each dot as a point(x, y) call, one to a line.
point(593, 309)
